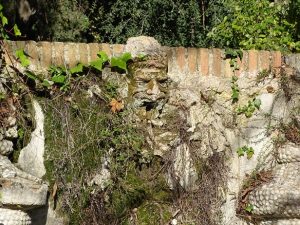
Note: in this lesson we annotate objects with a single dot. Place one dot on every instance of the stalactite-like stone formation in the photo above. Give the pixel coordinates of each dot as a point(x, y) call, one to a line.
point(281, 197)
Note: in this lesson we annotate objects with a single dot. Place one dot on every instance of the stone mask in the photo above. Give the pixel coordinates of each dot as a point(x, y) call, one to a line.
point(149, 84)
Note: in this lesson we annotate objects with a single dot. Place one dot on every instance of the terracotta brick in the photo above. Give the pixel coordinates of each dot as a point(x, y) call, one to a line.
point(45, 52)
point(106, 48)
point(253, 61)
point(58, 58)
point(71, 54)
point(180, 57)
point(32, 50)
point(227, 68)
point(94, 49)
point(244, 63)
point(171, 53)
point(264, 60)
point(217, 62)
point(118, 49)
point(9, 54)
point(83, 53)
point(19, 45)
point(276, 59)
point(192, 58)
point(204, 61)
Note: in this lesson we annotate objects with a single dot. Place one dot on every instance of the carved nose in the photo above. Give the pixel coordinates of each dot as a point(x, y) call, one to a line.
point(153, 88)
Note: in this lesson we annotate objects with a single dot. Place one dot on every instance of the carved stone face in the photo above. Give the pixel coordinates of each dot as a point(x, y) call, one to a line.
point(149, 85)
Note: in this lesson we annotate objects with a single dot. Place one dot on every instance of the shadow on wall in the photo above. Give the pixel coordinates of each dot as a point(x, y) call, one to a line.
point(39, 215)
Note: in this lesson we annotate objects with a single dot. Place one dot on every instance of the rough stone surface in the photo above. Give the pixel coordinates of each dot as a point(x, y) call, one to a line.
point(143, 45)
point(19, 188)
point(14, 217)
point(31, 157)
point(279, 199)
point(19, 191)
point(188, 118)
point(281, 222)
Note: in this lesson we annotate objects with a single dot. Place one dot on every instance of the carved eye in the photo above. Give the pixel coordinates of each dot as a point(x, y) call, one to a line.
point(163, 83)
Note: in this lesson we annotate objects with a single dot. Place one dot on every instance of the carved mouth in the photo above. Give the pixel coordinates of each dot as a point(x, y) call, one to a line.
point(149, 105)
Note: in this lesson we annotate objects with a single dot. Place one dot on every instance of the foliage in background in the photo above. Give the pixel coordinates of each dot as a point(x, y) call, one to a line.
point(255, 24)
point(221, 23)
point(293, 17)
point(170, 22)
point(59, 20)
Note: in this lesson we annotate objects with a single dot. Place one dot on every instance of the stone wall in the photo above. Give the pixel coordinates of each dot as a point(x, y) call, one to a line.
point(202, 61)
point(199, 96)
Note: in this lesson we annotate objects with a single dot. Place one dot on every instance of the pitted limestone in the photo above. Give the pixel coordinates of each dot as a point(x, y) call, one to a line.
point(281, 197)
point(281, 222)
point(14, 217)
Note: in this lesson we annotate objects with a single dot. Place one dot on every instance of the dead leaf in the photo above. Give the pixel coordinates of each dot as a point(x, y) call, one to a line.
point(116, 105)
point(54, 190)
point(270, 89)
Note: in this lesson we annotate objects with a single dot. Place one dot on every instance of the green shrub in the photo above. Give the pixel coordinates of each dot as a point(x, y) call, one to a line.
point(255, 24)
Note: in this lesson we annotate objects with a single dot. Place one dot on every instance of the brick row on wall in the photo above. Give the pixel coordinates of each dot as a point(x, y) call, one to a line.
point(44, 54)
point(202, 61)
point(212, 62)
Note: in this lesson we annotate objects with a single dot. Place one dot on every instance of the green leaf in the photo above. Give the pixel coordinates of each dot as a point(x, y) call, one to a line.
point(2, 96)
point(102, 55)
point(23, 58)
point(240, 152)
point(47, 83)
point(248, 114)
point(59, 79)
point(250, 152)
point(257, 103)
point(234, 78)
point(141, 56)
point(21, 133)
point(1, 7)
point(119, 63)
point(65, 87)
point(126, 56)
point(77, 69)
point(235, 96)
point(16, 30)
point(240, 54)
point(31, 75)
point(249, 208)
point(4, 20)
point(97, 64)
point(54, 70)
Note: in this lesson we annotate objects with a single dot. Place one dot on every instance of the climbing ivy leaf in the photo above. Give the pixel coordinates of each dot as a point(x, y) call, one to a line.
point(97, 64)
point(59, 79)
point(240, 152)
point(65, 87)
point(235, 95)
point(77, 69)
point(245, 149)
point(257, 103)
point(250, 152)
point(16, 30)
point(47, 83)
point(3, 19)
point(20, 54)
point(126, 56)
point(119, 63)
point(249, 208)
point(31, 75)
point(102, 55)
